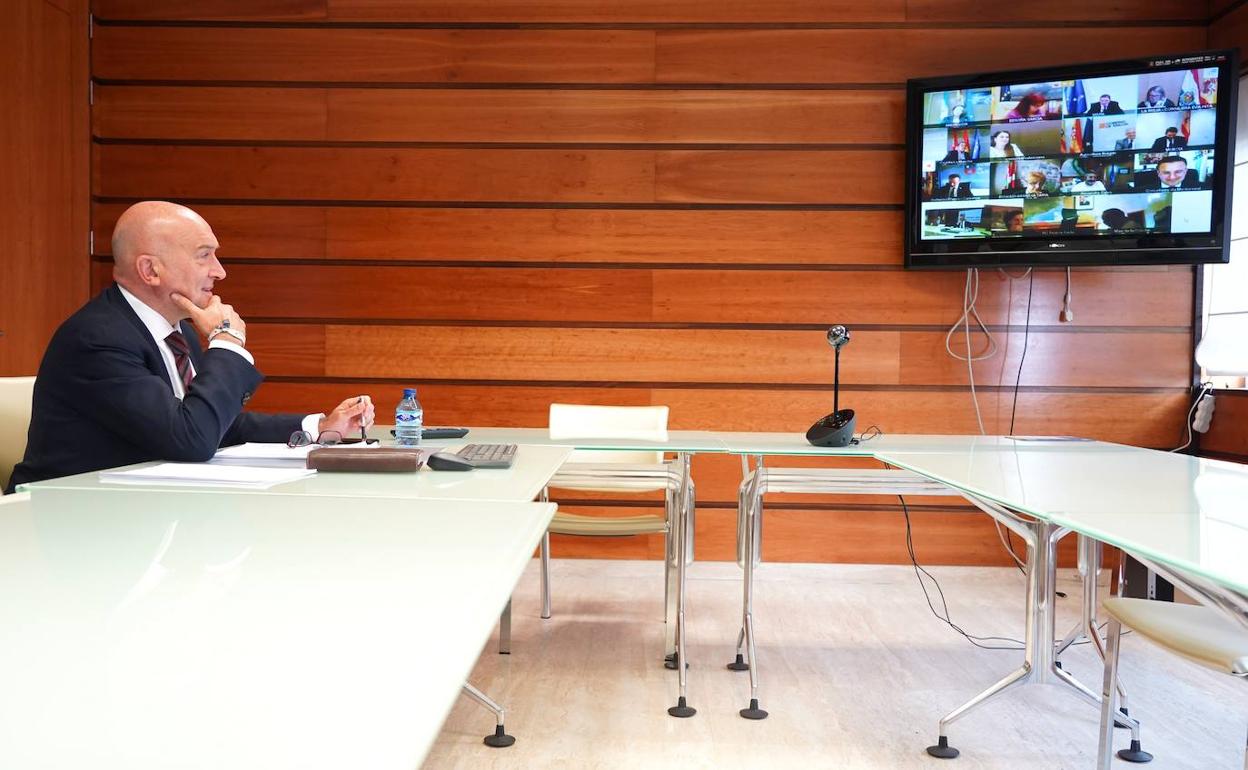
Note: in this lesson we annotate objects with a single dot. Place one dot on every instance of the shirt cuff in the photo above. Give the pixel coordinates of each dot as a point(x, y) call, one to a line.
point(312, 423)
point(239, 349)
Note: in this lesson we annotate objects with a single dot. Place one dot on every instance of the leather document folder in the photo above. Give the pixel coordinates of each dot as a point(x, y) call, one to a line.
point(373, 460)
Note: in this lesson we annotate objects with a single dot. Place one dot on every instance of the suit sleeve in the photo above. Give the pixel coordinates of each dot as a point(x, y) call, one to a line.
point(112, 385)
point(268, 428)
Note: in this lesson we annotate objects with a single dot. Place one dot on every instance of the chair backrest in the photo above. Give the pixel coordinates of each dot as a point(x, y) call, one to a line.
point(15, 398)
point(642, 423)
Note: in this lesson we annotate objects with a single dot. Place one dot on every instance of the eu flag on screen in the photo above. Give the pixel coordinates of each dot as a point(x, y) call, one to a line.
point(975, 146)
point(1076, 100)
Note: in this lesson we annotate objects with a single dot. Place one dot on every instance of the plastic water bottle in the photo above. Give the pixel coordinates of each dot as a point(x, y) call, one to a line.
point(409, 417)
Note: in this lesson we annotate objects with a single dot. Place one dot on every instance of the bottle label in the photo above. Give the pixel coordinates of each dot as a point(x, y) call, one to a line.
point(408, 418)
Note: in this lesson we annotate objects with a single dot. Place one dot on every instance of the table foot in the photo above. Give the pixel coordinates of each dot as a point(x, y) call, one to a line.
point(1135, 754)
point(739, 664)
point(753, 712)
point(943, 750)
point(682, 709)
point(500, 739)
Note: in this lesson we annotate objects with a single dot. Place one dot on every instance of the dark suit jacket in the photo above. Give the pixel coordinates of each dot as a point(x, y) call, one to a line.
point(1112, 109)
point(1160, 144)
point(954, 155)
point(103, 398)
point(1145, 105)
point(946, 191)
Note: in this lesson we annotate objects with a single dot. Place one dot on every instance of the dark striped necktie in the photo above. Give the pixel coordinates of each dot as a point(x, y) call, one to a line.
point(181, 357)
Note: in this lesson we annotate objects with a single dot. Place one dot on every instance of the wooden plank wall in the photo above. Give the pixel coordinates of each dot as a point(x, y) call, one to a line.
point(509, 203)
point(1228, 433)
point(44, 145)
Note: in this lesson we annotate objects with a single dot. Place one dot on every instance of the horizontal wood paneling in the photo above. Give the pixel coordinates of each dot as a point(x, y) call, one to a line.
point(210, 113)
point(520, 11)
point(1228, 433)
point(893, 56)
point(667, 296)
point(652, 11)
point(595, 176)
point(547, 235)
point(374, 55)
point(250, 10)
point(1231, 31)
point(603, 176)
point(602, 56)
point(1142, 419)
point(499, 115)
point(1217, 7)
point(762, 176)
point(940, 11)
point(725, 356)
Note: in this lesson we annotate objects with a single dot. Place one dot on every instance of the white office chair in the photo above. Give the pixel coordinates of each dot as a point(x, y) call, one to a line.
point(613, 471)
point(15, 398)
point(1199, 634)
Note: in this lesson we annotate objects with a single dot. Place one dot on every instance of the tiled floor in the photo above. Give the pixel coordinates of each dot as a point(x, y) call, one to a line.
point(855, 672)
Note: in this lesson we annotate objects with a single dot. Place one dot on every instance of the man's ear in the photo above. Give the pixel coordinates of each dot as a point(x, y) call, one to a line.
point(148, 269)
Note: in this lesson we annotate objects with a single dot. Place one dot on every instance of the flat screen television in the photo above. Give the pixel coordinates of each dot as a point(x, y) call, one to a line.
point(1114, 163)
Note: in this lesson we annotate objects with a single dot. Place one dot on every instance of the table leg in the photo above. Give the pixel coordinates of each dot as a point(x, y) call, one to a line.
point(670, 573)
point(743, 491)
point(1086, 628)
point(500, 738)
point(504, 630)
point(1039, 662)
point(753, 512)
point(682, 708)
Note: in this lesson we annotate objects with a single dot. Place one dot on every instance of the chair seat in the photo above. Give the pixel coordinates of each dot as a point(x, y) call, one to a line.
point(1195, 632)
point(603, 526)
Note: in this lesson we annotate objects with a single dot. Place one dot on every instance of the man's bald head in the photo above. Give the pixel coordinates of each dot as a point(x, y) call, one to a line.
point(147, 228)
point(161, 248)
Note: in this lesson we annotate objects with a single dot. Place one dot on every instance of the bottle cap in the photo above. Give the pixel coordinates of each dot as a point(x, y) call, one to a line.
point(409, 393)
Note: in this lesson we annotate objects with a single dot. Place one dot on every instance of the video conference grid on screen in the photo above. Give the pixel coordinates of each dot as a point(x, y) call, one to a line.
point(1125, 154)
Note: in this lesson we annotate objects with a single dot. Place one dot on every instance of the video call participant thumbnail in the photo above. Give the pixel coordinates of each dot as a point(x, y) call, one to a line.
point(955, 188)
point(1116, 219)
point(1171, 174)
point(1156, 97)
point(1171, 141)
point(1000, 146)
point(1105, 106)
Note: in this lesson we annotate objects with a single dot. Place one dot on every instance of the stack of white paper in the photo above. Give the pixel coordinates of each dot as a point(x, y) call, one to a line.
point(206, 474)
point(272, 455)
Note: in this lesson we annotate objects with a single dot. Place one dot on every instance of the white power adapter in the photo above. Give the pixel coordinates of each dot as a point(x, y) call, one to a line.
point(1204, 413)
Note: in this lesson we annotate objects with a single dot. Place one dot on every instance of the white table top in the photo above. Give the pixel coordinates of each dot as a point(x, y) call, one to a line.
point(532, 468)
point(795, 444)
point(240, 630)
point(1182, 511)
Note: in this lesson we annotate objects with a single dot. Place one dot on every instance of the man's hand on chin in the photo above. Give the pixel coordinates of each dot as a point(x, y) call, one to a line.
point(216, 316)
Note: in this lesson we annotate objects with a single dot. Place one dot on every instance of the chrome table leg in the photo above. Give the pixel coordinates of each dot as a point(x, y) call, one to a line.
point(500, 738)
point(682, 708)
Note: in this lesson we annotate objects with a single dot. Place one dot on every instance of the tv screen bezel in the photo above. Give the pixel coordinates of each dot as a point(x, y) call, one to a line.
point(1089, 249)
